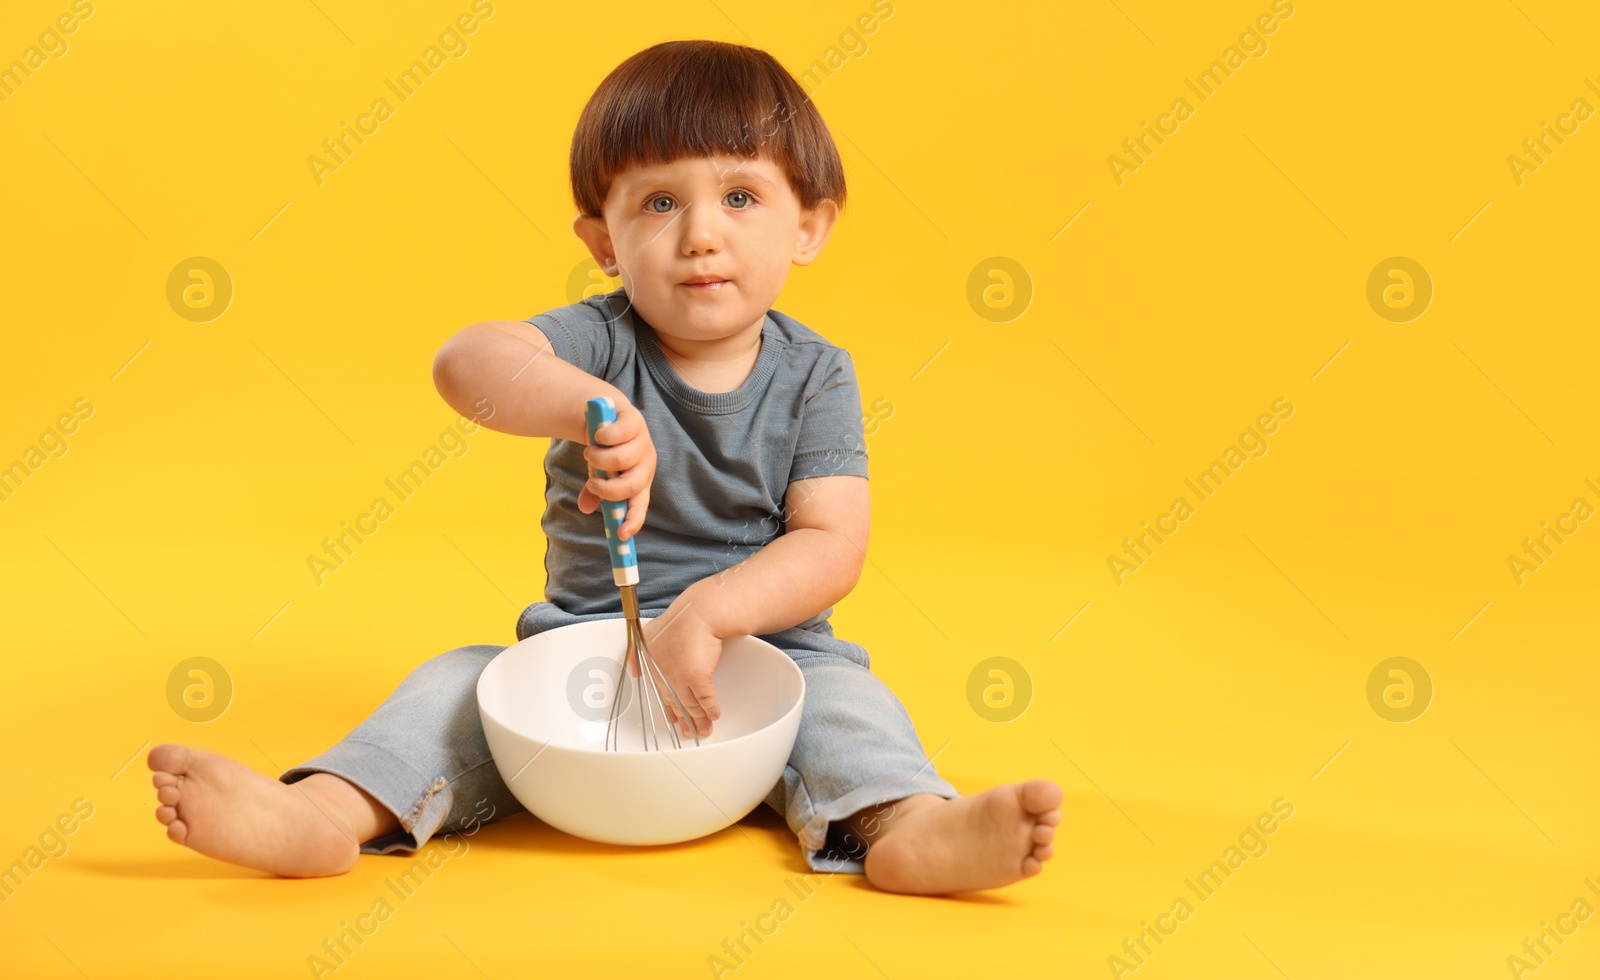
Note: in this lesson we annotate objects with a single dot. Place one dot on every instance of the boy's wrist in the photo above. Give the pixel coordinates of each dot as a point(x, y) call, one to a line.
point(703, 601)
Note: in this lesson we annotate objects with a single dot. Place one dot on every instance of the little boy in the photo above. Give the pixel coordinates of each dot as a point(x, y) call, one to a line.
point(702, 172)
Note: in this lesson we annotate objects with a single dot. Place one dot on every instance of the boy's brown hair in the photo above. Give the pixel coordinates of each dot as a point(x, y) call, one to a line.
point(698, 98)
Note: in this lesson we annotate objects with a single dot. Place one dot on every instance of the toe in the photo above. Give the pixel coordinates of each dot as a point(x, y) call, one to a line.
point(1030, 866)
point(1040, 796)
point(1044, 852)
point(1042, 834)
point(168, 795)
point(166, 814)
point(1051, 817)
point(161, 779)
point(170, 758)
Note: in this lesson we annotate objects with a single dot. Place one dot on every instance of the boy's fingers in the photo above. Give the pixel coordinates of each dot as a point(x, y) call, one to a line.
point(708, 703)
point(700, 702)
point(691, 703)
point(678, 720)
point(613, 459)
point(619, 431)
point(638, 504)
point(695, 714)
point(617, 488)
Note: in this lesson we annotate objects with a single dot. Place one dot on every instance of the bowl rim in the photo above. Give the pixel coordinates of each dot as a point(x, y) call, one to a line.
point(484, 711)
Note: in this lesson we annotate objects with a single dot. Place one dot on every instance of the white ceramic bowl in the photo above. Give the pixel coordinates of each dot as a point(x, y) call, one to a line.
point(544, 703)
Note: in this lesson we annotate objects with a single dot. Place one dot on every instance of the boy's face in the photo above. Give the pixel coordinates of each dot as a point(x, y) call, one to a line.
point(731, 218)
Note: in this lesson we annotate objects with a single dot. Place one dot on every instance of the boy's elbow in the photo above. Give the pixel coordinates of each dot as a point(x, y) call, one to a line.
point(450, 366)
point(444, 374)
point(849, 581)
point(852, 561)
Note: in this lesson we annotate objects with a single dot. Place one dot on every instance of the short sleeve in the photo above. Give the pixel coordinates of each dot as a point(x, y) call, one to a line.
point(831, 442)
point(580, 334)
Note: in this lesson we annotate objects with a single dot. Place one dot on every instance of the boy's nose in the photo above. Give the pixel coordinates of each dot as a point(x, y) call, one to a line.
point(701, 235)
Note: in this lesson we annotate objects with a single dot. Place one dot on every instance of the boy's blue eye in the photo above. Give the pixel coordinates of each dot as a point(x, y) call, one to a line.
point(662, 204)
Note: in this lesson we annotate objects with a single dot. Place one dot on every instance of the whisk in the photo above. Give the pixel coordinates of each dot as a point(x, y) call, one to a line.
point(636, 658)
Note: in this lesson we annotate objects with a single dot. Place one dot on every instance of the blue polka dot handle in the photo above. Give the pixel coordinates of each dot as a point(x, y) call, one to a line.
point(598, 412)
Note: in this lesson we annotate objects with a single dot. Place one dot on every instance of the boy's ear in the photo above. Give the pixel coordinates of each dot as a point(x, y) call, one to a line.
point(815, 227)
point(593, 232)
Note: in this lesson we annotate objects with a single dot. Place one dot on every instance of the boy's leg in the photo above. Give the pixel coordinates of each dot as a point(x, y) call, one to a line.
point(417, 766)
point(856, 750)
point(863, 797)
point(368, 819)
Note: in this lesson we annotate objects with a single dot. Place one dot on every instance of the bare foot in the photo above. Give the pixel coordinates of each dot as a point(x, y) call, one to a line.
point(968, 842)
point(224, 810)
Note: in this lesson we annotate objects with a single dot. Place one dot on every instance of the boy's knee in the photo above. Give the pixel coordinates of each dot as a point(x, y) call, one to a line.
point(456, 668)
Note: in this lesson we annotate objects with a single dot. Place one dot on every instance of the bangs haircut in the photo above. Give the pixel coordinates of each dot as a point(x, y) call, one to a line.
point(699, 98)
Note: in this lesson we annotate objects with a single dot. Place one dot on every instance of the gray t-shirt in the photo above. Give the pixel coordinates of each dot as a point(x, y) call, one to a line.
point(724, 459)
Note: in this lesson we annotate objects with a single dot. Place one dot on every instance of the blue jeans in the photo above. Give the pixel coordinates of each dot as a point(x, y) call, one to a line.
point(422, 753)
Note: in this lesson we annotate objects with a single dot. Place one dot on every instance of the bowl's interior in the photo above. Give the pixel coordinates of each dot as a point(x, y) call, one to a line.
point(557, 688)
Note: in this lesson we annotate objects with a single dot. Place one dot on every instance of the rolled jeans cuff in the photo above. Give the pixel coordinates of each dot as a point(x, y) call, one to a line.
point(421, 803)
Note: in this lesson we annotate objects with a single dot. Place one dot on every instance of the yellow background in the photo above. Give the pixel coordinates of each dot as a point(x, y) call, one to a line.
point(1173, 309)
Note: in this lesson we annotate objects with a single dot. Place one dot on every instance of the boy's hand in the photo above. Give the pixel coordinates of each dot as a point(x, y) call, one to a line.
point(687, 652)
point(623, 448)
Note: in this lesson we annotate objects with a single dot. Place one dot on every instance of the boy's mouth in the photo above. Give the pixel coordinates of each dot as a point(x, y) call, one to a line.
point(706, 283)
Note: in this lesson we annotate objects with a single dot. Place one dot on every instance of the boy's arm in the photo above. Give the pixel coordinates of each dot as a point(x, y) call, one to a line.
point(530, 390)
point(512, 381)
point(811, 566)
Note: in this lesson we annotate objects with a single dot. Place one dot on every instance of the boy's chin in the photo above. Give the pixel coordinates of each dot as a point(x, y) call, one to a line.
point(703, 318)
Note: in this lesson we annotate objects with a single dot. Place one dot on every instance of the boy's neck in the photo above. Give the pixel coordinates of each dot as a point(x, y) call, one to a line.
point(714, 366)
